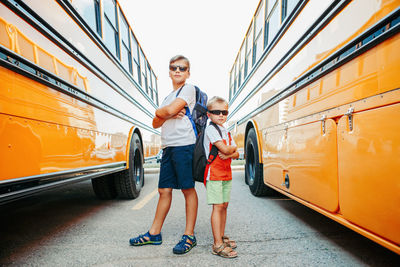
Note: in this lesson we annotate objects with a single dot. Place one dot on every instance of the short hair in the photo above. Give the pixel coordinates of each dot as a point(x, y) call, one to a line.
point(216, 99)
point(179, 57)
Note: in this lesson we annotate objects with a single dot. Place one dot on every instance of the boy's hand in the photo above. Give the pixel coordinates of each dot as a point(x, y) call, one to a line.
point(158, 122)
point(223, 156)
point(225, 149)
point(171, 110)
point(180, 114)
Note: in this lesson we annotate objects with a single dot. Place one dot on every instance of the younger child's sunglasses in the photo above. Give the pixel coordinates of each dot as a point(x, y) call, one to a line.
point(175, 67)
point(218, 112)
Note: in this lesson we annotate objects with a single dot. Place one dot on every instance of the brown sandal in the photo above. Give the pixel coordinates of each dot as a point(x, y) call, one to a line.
point(228, 242)
point(224, 251)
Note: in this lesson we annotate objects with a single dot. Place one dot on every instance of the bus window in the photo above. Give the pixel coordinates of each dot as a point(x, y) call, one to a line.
point(154, 84)
point(231, 85)
point(237, 74)
point(155, 88)
point(135, 61)
point(287, 7)
point(249, 49)
point(90, 11)
point(242, 61)
point(111, 27)
point(258, 37)
point(125, 46)
point(150, 81)
point(143, 71)
point(273, 24)
point(270, 5)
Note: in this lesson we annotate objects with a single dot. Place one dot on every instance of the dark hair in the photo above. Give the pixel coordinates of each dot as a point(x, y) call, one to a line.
point(179, 57)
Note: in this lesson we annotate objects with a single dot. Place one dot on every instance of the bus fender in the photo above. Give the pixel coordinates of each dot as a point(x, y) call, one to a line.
point(132, 131)
point(253, 124)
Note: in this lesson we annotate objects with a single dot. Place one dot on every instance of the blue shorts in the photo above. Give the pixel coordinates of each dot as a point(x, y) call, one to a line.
point(176, 167)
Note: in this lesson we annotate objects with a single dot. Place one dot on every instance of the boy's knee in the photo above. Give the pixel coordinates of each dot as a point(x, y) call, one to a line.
point(219, 206)
point(165, 191)
point(189, 191)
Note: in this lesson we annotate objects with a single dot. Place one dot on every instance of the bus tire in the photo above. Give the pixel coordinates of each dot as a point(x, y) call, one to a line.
point(129, 182)
point(253, 168)
point(104, 187)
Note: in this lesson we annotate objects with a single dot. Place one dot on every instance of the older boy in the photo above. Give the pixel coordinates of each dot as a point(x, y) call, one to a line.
point(177, 140)
point(219, 175)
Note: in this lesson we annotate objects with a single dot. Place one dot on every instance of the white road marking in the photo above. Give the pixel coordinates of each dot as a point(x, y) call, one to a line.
point(144, 201)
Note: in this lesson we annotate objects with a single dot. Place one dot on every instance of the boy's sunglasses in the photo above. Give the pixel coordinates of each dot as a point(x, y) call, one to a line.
point(175, 67)
point(218, 112)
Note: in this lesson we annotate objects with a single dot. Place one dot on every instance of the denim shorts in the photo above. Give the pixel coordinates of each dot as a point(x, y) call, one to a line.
point(176, 167)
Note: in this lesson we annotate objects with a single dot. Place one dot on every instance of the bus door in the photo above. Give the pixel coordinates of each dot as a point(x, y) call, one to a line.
point(369, 170)
point(302, 160)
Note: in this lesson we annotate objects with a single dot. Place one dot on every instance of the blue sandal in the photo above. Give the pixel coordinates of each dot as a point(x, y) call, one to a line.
point(146, 239)
point(185, 245)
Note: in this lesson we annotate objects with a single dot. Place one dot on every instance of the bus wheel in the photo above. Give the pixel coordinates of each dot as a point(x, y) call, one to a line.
point(129, 182)
point(253, 168)
point(104, 187)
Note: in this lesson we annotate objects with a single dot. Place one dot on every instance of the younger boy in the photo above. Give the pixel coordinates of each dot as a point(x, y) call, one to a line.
point(219, 175)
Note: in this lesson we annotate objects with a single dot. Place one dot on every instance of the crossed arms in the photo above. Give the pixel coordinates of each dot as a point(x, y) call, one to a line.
point(177, 110)
point(174, 110)
point(226, 151)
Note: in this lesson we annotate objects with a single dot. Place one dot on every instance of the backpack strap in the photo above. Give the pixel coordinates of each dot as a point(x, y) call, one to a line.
point(188, 110)
point(179, 90)
point(216, 127)
point(214, 150)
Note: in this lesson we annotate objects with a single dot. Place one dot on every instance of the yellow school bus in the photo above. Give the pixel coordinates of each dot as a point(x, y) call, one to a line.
point(315, 108)
point(77, 98)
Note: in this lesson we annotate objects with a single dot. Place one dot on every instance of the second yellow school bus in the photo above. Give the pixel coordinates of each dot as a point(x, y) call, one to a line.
point(315, 107)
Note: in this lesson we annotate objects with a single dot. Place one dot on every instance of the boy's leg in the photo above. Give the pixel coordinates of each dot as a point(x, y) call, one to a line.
point(219, 247)
point(153, 236)
point(166, 182)
point(215, 198)
point(163, 206)
point(182, 160)
point(226, 195)
point(191, 204)
point(216, 222)
point(223, 217)
point(188, 240)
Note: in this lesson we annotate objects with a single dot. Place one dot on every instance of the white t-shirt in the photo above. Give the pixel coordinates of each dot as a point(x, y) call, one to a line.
point(211, 136)
point(179, 132)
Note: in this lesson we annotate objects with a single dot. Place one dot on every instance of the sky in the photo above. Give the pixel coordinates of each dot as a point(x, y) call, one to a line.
point(208, 32)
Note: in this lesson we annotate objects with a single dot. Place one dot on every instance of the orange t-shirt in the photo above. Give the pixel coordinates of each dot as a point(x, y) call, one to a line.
point(219, 170)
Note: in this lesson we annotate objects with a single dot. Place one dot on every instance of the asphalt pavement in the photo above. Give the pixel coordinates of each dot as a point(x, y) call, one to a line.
point(70, 227)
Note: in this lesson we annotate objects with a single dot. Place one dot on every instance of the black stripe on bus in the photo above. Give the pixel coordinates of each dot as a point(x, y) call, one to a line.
point(66, 173)
point(42, 26)
point(21, 187)
point(15, 62)
point(382, 30)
